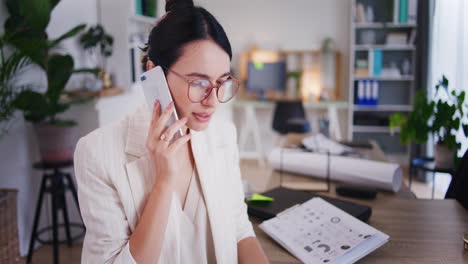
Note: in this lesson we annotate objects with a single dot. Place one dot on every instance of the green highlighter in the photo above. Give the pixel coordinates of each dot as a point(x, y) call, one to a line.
point(259, 198)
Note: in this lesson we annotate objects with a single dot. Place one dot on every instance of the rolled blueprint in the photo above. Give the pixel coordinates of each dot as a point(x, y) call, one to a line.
point(381, 175)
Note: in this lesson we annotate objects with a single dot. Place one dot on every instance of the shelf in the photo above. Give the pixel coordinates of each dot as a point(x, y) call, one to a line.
point(383, 47)
point(384, 25)
point(143, 19)
point(373, 129)
point(383, 78)
point(370, 108)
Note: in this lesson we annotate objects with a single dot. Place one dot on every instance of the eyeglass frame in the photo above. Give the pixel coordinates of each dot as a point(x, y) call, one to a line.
point(217, 86)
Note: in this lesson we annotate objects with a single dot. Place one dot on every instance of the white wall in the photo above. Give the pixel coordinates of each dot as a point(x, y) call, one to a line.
point(18, 149)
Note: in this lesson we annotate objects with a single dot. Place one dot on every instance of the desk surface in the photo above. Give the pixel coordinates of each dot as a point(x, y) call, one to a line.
point(421, 231)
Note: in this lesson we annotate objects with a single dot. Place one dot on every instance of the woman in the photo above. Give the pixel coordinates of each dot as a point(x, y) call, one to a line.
point(146, 198)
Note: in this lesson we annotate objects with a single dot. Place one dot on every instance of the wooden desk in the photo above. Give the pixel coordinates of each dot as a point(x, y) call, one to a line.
point(421, 231)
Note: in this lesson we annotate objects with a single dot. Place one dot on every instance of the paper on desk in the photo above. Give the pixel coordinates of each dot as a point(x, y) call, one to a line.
point(381, 175)
point(318, 232)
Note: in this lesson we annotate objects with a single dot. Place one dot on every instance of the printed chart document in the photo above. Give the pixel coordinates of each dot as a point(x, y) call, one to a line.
point(318, 232)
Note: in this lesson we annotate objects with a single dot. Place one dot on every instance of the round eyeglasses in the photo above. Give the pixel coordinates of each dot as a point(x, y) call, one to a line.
point(200, 89)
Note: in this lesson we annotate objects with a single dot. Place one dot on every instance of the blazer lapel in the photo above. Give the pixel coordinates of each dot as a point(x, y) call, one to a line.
point(205, 160)
point(139, 169)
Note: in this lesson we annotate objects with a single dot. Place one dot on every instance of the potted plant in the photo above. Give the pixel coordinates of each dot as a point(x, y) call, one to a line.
point(29, 20)
point(12, 64)
point(99, 45)
point(442, 117)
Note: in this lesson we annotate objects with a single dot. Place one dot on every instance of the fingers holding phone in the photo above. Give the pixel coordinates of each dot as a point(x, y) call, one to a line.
point(161, 144)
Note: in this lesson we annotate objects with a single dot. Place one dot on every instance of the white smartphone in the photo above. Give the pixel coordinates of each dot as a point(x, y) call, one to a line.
point(154, 85)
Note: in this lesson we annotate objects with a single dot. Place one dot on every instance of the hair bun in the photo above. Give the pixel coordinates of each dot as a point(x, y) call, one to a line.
point(172, 5)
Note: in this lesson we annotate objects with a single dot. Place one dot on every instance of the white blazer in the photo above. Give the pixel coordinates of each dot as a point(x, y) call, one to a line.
point(114, 177)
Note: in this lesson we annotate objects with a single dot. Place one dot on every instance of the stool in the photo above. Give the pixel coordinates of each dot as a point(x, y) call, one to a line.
point(56, 184)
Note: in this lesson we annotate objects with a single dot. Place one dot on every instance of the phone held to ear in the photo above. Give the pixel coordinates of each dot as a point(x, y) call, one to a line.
point(154, 85)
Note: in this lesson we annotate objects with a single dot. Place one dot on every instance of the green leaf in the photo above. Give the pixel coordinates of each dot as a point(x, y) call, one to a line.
point(465, 129)
point(396, 120)
point(33, 104)
point(444, 82)
point(72, 32)
point(36, 12)
point(35, 49)
point(60, 68)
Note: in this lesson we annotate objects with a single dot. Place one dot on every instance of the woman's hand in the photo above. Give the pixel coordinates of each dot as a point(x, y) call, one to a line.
point(162, 151)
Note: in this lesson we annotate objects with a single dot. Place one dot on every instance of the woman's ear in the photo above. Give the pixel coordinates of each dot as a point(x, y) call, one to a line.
point(149, 65)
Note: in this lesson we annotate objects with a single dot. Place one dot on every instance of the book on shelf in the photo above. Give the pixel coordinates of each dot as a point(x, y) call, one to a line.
point(377, 62)
point(412, 37)
point(403, 14)
point(370, 61)
point(139, 7)
point(412, 11)
point(148, 7)
point(396, 11)
point(136, 55)
point(396, 39)
point(360, 14)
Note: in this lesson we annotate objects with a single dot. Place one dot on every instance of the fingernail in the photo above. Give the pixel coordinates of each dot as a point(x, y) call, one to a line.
point(184, 119)
point(156, 102)
point(169, 105)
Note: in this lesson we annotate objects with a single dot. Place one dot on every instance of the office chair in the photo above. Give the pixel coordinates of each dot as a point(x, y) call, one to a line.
point(289, 117)
point(459, 185)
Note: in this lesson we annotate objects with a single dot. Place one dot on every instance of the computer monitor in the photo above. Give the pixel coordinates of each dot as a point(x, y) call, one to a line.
point(266, 76)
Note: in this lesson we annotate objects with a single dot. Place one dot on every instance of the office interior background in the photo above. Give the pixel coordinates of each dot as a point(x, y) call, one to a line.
point(331, 50)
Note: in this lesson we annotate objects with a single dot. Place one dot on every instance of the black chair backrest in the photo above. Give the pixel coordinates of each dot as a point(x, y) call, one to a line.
point(458, 188)
point(284, 111)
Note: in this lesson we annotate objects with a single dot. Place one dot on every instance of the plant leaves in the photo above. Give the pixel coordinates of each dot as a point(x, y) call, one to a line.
point(60, 68)
point(33, 104)
point(72, 32)
point(36, 12)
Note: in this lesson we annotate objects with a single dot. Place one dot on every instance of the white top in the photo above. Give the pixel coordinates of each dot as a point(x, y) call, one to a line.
point(192, 223)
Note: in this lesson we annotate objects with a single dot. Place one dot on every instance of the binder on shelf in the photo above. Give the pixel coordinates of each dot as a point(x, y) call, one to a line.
point(403, 16)
point(412, 11)
point(368, 93)
point(375, 92)
point(377, 63)
point(360, 92)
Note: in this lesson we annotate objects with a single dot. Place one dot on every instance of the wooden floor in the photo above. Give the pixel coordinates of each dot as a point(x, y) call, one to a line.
point(72, 255)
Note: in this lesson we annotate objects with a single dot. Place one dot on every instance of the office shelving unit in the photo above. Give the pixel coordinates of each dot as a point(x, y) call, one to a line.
point(396, 92)
point(129, 30)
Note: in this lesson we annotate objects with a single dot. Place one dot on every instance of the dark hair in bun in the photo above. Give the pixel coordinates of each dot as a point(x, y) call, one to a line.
point(182, 24)
point(178, 4)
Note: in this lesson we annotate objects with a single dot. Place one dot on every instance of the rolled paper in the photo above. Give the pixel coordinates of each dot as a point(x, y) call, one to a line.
point(380, 175)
